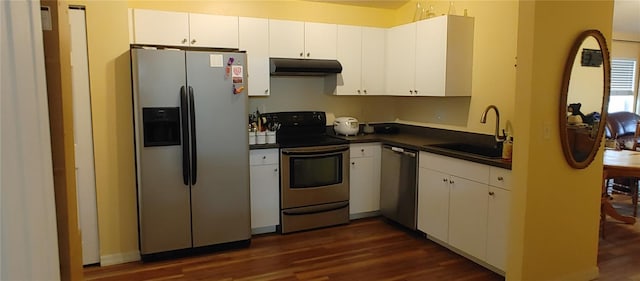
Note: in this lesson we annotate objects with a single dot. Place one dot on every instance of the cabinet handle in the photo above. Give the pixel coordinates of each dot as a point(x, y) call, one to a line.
point(184, 40)
point(500, 178)
point(193, 41)
point(491, 193)
point(415, 92)
point(411, 92)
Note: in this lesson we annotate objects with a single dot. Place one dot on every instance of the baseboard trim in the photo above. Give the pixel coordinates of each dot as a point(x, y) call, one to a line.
point(119, 258)
point(587, 274)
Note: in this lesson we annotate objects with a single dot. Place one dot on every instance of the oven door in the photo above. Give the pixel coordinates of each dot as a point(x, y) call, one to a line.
point(314, 175)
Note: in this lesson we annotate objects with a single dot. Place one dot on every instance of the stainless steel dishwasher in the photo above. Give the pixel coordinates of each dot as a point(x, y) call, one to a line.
point(398, 185)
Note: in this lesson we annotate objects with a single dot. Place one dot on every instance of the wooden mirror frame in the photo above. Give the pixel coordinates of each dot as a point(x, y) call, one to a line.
point(564, 94)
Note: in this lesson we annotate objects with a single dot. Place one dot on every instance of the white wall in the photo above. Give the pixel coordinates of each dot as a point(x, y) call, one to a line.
point(29, 244)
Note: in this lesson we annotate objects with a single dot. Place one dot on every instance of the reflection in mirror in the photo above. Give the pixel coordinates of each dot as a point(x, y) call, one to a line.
point(584, 98)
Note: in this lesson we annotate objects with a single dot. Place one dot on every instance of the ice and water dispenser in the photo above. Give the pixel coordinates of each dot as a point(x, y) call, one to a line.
point(161, 126)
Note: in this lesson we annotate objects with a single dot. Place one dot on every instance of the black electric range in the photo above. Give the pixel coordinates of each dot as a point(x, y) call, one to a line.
point(302, 129)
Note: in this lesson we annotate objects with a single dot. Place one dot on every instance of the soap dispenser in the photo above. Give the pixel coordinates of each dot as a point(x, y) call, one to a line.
point(507, 148)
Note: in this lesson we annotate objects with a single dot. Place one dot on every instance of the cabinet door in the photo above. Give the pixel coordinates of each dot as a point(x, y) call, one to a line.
point(468, 216)
point(373, 60)
point(320, 40)
point(213, 31)
point(400, 59)
point(160, 28)
point(498, 227)
point(431, 41)
point(364, 185)
point(433, 204)
point(349, 53)
point(265, 181)
point(286, 39)
point(254, 38)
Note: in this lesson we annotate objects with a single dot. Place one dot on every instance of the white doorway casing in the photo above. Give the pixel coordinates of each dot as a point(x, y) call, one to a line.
point(83, 134)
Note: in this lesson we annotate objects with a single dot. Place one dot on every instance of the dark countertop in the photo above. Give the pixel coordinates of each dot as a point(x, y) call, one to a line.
point(419, 138)
point(421, 143)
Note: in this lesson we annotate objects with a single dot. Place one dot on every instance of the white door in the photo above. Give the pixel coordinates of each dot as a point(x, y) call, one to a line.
point(85, 174)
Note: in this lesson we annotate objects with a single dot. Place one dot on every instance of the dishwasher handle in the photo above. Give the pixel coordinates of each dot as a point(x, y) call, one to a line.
point(401, 150)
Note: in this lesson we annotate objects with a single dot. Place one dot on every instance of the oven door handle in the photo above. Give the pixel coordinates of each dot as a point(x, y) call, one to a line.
point(315, 151)
point(315, 209)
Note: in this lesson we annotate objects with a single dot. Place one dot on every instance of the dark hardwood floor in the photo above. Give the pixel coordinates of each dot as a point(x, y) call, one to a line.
point(367, 249)
point(619, 251)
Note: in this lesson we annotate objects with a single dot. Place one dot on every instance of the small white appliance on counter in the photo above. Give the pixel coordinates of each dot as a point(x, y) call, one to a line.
point(346, 126)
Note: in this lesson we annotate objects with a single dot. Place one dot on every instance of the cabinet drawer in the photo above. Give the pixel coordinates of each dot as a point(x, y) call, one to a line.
point(364, 150)
point(500, 178)
point(263, 156)
point(457, 167)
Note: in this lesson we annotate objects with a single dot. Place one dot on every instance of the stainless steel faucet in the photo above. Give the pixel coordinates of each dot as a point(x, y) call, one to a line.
point(483, 120)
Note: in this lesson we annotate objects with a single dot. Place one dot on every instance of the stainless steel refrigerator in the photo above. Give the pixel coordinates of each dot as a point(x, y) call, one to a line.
point(192, 158)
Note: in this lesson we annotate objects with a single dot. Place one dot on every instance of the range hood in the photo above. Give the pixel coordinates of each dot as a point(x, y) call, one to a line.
point(303, 67)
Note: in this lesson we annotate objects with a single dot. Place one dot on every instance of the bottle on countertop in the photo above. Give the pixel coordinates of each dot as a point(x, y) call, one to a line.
point(507, 148)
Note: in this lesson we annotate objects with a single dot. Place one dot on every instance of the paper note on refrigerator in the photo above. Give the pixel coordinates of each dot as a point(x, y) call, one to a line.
point(215, 61)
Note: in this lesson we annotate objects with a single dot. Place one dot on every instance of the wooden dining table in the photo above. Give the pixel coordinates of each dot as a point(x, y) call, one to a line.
point(618, 163)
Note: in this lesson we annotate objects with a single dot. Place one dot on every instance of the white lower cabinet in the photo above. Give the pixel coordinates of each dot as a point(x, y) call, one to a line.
point(364, 179)
point(465, 205)
point(265, 182)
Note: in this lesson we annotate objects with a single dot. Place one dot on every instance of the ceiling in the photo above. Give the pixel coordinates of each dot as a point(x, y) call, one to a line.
point(626, 16)
point(626, 13)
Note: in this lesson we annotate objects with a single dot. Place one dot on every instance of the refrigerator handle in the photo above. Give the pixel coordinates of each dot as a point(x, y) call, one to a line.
point(184, 116)
point(194, 162)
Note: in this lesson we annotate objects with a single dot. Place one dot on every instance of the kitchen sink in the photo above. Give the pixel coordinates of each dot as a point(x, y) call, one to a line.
point(480, 150)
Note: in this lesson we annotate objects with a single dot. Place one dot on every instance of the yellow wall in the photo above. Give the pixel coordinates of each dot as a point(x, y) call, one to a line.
point(108, 51)
point(555, 209)
point(546, 236)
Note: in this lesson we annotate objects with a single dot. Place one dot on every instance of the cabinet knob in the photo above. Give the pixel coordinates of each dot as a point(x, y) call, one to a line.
point(266, 91)
point(264, 157)
point(308, 54)
point(411, 92)
point(193, 41)
point(275, 170)
point(451, 181)
point(415, 92)
point(500, 178)
point(358, 92)
point(491, 193)
point(362, 150)
point(445, 180)
point(184, 41)
point(353, 163)
point(365, 91)
point(301, 54)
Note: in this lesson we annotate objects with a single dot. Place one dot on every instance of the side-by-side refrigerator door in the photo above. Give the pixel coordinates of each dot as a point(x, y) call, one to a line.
point(220, 194)
point(159, 80)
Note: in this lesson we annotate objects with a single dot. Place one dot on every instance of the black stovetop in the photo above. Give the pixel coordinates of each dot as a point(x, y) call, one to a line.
point(302, 129)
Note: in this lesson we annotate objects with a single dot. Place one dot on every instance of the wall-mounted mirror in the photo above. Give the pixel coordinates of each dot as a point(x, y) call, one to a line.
point(584, 98)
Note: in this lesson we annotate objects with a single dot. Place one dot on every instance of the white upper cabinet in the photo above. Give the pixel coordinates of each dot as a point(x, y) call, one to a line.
point(361, 52)
point(213, 31)
point(254, 38)
point(184, 29)
point(444, 56)
point(432, 57)
point(295, 39)
point(160, 28)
